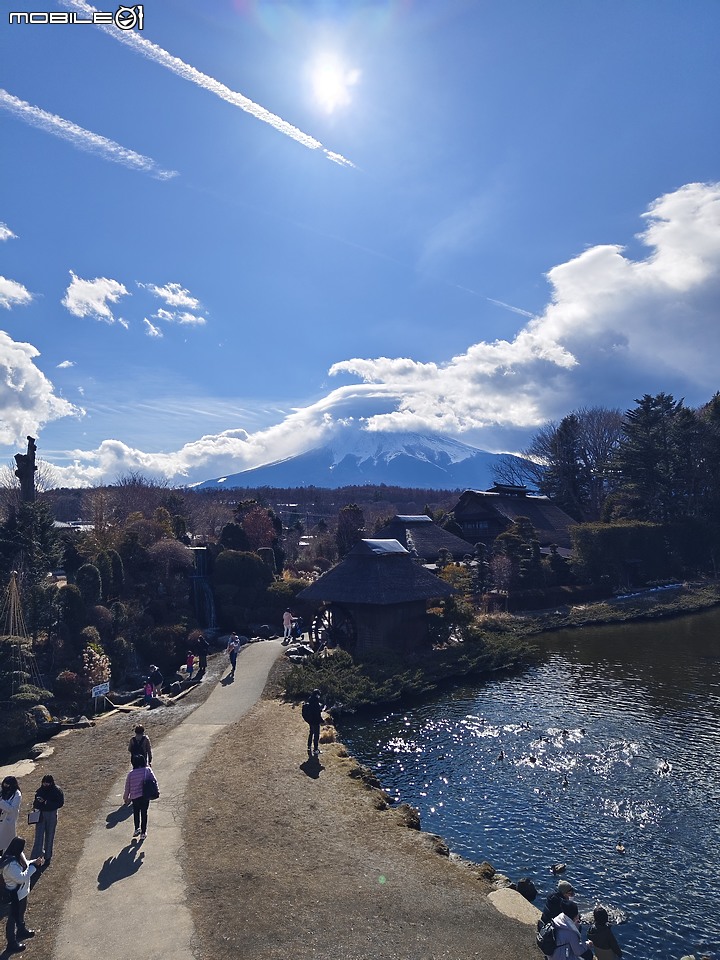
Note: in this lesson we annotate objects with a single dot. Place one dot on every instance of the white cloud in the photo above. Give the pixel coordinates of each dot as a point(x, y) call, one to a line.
point(65, 364)
point(82, 138)
point(13, 294)
point(151, 330)
point(6, 233)
point(177, 296)
point(614, 328)
point(190, 319)
point(27, 397)
point(184, 70)
point(90, 298)
point(173, 294)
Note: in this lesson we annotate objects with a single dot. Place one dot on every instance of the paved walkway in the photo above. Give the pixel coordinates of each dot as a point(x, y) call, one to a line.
point(128, 897)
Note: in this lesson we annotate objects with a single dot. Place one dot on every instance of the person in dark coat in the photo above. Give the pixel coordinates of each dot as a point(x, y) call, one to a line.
point(48, 801)
point(556, 902)
point(202, 647)
point(601, 936)
point(312, 715)
point(156, 679)
point(140, 743)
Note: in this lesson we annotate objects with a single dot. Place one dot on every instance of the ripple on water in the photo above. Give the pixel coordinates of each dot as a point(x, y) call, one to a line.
point(594, 757)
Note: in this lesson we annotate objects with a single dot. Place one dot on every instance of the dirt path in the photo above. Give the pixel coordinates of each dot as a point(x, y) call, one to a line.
point(264, 855)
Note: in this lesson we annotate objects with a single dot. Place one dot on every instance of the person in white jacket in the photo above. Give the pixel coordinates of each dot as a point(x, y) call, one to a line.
point(568, 937)
point(17, 873)
point(10, 800)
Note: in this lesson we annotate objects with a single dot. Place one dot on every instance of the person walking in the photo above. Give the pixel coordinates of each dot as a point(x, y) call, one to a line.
point(10, 800)
point(287, 626)
point(135, 793)
point(601, 936)
point(232, 652)
point(568, 937)
point(48, 801)
point(312, 715)
point(17, 872)
point(140, 743)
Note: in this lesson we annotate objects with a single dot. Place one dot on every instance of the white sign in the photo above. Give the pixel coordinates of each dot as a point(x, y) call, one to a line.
point(101, 689)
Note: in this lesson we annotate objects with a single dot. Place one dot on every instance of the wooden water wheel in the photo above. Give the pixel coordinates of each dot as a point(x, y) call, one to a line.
point(333, 626)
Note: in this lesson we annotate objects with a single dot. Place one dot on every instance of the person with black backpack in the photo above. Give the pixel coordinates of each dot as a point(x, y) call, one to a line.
point(312, 715)
point(567, 941)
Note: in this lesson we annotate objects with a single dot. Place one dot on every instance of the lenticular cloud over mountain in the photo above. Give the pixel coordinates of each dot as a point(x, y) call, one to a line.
point(615, 328)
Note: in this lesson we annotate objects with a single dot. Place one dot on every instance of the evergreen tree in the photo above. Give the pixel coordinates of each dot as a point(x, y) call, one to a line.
point(350, 527)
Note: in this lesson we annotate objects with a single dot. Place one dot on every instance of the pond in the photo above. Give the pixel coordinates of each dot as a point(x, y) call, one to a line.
point(610, 741)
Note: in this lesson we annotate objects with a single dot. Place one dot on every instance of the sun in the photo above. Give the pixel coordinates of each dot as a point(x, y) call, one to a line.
point(331, 82)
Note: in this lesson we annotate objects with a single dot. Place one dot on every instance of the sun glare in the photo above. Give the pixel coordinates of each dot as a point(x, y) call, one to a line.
point(331, 83)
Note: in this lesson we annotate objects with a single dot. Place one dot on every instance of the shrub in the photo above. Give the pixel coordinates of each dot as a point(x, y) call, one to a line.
point(68, 686)
point(167, 646)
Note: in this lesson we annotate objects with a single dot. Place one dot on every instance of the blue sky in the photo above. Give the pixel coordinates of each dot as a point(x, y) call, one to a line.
point(252, 225)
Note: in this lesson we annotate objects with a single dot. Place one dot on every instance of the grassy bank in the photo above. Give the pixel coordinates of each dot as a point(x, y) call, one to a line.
point(648, 605)
point(357, 684)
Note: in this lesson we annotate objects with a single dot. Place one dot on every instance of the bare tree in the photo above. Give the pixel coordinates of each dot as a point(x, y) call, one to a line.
point(570, 461)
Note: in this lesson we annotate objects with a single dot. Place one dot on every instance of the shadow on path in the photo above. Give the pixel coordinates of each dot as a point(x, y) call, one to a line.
point(226, 681)
point(312, 767)
point(124, 865)
point(117, 816)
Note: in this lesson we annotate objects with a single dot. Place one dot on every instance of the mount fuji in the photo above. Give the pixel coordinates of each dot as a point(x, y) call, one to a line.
point(359, 458)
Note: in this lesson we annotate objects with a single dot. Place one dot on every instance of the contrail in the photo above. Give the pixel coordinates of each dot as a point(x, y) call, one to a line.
point(82, 138)
point(155, 53)
point(509, 306)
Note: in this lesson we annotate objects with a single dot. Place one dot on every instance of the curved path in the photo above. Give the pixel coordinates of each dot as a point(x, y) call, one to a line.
point(128, 897)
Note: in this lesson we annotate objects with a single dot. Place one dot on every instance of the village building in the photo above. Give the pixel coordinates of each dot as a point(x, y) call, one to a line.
point(376, 598)
point(483, 515)
point(424, 538)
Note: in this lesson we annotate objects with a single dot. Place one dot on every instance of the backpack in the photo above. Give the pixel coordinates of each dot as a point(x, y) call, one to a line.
point(5, 892)
point(546, 939)
point(306, 712)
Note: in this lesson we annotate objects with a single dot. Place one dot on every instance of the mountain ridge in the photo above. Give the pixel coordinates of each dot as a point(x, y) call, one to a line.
point(430, 461)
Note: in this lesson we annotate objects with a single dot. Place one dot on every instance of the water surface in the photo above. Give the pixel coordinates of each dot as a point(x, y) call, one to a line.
point(611, 740)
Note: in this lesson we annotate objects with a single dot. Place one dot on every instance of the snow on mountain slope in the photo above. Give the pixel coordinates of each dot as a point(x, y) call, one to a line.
point(361, 457)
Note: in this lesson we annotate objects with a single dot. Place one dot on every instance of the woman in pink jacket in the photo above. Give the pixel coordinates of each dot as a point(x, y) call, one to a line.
point(135, 793)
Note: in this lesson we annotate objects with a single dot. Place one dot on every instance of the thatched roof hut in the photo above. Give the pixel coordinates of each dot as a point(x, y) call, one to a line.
point(424, 538)
point(380, 594)
point(484, 514)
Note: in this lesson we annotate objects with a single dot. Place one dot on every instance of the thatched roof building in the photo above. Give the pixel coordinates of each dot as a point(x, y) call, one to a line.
point(379, 595)
point(424, 538)
point(483, 515)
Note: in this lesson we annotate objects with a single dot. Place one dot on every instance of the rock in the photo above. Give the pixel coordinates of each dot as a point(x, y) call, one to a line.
point(486, 870)
point(501, 882)
point(439, 846)
point(19, 728)
point(409, 816)
point(527, 888)
point(41, 714)
point(558, 868)
point(511, 904)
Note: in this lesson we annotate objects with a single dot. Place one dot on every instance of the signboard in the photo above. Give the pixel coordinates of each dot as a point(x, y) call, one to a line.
point(101, 689)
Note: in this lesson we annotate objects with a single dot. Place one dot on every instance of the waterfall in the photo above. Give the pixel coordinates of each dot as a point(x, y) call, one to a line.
point(203, 599)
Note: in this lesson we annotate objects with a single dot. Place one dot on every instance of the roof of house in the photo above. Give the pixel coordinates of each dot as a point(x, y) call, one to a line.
point(424, 538)
point(377, 572)
point(551, 522)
